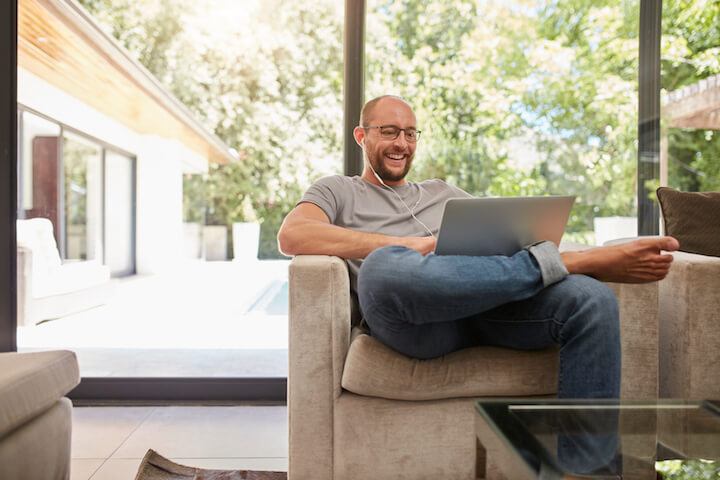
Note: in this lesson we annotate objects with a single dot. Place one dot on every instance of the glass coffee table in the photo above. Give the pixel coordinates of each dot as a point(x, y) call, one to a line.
point(561, 439)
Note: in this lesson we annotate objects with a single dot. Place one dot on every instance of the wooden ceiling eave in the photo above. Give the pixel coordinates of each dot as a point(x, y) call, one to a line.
point(59, 52)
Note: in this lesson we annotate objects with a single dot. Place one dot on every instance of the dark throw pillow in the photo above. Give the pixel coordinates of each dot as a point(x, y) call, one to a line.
point(693, 218)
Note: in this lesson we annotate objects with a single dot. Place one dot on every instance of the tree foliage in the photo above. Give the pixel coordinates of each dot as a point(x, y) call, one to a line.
point(691, 52)
point(519, 98)
point(267, 82)
point(514, 98)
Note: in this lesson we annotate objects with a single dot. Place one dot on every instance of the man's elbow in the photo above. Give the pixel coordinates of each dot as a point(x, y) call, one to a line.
point(286, 243)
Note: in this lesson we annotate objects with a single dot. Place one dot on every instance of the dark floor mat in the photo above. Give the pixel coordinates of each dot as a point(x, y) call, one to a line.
point(156, 467)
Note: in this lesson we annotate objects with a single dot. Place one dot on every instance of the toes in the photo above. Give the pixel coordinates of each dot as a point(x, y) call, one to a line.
point(669, 244)
point(661, 259)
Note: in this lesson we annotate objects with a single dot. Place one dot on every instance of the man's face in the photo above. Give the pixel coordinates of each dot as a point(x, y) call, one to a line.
point(391, 159)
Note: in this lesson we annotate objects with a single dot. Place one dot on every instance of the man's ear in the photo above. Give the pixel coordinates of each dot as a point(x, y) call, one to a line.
point(359, 134)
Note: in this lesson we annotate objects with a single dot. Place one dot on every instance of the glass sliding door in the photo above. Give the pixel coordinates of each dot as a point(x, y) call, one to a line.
point(39, 171)
point(119, 213)
point(690, 80)
point(83, 198)
point(174, 170)
point(519, 97)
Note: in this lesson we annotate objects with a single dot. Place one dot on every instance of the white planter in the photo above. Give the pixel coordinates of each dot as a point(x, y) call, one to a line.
point(246, 240)
point(611, 228)
point(215, 242)
point(192, 240)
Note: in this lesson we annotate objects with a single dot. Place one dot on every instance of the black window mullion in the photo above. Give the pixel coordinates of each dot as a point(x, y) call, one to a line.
point(8, 175)
point(354, 81)
point(648, 114)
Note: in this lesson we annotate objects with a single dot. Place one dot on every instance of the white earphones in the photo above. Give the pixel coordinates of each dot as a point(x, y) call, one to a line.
point(411, 210)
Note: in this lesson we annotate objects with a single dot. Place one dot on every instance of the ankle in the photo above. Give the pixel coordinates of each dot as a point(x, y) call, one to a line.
point(577, 262)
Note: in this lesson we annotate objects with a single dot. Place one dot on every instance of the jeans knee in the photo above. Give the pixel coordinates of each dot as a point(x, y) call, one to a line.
point(381, 276)
point(592, 303)
point(384, 265)
point(602, 298)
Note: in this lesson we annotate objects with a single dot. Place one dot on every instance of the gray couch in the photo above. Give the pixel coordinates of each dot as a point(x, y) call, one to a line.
point(35, 418)
point(360, 410)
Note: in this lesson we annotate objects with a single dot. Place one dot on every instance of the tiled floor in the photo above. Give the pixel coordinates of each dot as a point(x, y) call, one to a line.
point(108, 443)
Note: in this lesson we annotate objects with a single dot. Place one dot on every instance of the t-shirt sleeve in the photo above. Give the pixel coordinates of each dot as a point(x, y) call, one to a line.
point(326, 194)
point(455, 192)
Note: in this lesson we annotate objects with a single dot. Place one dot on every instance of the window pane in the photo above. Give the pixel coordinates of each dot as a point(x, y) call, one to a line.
point(519, 98)
point(166, 261)
point(119, 213)
point(690, 158)
point(82, 167)
point(39, 183)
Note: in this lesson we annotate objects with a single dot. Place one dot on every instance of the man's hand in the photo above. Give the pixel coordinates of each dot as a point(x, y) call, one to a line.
point(639, 261)
point(424, 245)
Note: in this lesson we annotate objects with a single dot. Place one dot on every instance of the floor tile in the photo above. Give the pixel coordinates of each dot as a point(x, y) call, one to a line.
point(118, 469)
point(210, 432)
point(99, 431)
point(83, 468)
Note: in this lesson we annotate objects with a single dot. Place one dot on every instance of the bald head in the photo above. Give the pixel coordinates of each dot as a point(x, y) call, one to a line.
point(366, 114)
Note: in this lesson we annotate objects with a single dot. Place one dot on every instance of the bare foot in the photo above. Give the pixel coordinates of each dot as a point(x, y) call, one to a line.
point(639, 261)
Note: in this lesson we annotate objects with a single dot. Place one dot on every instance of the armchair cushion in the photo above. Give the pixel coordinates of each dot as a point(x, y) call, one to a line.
point(71, 277)
point(31, 383)
point(374, 370)
point(37, 235)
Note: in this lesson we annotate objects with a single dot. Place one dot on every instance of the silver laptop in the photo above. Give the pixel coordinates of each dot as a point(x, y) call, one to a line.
point(501, 225)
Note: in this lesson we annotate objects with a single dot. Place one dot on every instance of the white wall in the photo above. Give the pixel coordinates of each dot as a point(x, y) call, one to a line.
point(159, 206)
point(160, 165)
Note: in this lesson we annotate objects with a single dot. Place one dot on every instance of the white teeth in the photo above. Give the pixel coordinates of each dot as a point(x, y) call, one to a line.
point(395, 157)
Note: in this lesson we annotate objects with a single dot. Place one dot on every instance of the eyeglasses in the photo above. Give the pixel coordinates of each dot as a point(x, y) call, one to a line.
point(391, 132)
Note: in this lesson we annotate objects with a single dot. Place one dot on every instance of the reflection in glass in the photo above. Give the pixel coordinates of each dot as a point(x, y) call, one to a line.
point(674, 439)
point(82, 169)
point(690, 79)
point(584, 442)
point(40, 153)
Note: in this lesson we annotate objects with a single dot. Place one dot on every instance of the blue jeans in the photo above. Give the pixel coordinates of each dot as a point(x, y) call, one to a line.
point(428, 306)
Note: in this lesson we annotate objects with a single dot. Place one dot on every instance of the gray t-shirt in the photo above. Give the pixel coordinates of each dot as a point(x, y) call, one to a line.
point(354, 203)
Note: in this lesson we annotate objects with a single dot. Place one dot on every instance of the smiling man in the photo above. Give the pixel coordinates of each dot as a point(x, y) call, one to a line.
point(425, 305)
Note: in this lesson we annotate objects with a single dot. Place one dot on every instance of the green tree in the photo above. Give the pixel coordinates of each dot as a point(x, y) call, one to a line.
point(267, 84)
point(690, 53)
point(556, 80)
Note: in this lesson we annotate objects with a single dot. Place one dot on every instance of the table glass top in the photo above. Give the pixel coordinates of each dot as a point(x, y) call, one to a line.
point(606, 439)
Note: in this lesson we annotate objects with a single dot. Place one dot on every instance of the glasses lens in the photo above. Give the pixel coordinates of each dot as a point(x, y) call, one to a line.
point(389, 132)
point(411, 135)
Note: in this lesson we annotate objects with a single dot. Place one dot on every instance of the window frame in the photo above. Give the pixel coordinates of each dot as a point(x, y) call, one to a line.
point(248, 389)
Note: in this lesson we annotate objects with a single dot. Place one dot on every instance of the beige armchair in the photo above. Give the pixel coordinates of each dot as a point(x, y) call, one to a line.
point(35, 417)
point(360, 410)
point(690, 328)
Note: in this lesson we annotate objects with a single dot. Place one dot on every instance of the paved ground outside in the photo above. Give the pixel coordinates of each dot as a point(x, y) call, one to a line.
point(202, 319)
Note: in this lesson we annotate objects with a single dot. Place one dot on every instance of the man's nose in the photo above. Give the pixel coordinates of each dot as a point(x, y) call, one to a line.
point(400, 141)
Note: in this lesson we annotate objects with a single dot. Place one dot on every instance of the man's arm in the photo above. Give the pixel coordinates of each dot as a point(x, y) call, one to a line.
point(307, 231)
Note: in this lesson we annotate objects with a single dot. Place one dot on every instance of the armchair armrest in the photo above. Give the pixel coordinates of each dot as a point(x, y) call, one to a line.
point(319, 338)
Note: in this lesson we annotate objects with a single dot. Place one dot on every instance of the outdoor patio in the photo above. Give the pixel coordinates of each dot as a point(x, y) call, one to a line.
point(210, 319)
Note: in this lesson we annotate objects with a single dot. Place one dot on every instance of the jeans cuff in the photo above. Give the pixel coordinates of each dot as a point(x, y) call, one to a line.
point(548, 258)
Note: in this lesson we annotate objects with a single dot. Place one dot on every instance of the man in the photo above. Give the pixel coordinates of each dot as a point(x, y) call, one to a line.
point(425, 305)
